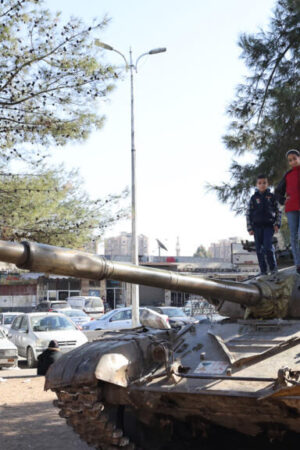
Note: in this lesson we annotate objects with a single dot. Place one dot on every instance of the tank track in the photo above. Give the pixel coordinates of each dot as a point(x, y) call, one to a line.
point(85, 410)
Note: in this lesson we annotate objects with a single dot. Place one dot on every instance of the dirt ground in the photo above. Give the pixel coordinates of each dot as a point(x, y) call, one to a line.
point(28, 419)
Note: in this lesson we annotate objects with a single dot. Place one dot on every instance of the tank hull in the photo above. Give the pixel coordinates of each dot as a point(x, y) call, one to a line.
point(211, 376)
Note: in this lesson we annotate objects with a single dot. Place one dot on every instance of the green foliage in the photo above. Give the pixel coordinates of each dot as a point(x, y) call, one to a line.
point(51, 78)
point(50, 207)
point(201, 252)
point(265, 112)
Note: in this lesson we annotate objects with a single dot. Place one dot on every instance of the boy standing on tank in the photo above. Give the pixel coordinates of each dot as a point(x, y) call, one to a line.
point(263, 219)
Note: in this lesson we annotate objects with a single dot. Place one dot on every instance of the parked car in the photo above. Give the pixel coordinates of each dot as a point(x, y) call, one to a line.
point(209, 318)
point(176, 315)
point(32, 332)
point(117, 319)
point(51, 305)
point(93, 306)
point(6, 319)
point(8, 352)
point(77, 316)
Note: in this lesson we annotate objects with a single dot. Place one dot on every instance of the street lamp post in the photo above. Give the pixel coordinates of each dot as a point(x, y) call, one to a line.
point(134, 239)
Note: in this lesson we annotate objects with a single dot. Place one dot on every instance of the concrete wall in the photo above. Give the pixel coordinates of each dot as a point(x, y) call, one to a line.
point(17, 302)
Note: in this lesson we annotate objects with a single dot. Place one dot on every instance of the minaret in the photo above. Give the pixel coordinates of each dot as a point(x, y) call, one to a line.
point(177, 247)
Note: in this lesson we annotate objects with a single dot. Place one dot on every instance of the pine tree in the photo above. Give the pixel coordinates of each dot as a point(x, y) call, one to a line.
point(265, 112)
point(50, 206)
point(52, 79)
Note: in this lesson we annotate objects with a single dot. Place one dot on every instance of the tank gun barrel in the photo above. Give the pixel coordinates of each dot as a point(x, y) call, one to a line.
point(63, 261)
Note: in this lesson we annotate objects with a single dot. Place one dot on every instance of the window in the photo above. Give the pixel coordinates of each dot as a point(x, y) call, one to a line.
point(121, 315)
point(43, 307)
point(8, 319)
point(50, 323)
point(95, 303)
point(51, 295)
point(59, 305)
point(62, 295)
point(16, 323)
point(24, 324)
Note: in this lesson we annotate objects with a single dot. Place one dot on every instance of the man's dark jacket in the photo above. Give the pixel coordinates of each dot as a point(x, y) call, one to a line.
point(45, 360)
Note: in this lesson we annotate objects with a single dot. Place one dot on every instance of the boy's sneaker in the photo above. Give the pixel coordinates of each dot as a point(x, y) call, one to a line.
point(274, 271)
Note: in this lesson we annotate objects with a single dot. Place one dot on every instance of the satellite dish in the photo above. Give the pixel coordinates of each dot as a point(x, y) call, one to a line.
point(160, 245)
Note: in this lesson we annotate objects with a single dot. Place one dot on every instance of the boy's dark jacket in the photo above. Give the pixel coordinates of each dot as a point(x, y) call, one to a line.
point(263, 210)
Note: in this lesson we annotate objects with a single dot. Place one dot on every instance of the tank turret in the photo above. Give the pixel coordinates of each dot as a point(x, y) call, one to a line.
point(276, 296)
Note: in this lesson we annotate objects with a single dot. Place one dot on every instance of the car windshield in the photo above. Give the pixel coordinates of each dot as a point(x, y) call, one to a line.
point(173, 312)
point(75, 313)
point(51, 323)
point(94, 303)
point(8, 319)
point(59, 305)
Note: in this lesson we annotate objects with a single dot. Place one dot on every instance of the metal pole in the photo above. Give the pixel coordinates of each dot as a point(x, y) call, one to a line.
point(134, 243)
point(134, 239)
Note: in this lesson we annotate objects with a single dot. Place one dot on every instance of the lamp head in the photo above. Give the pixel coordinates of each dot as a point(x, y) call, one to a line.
point(157, 50)
point(103, 45)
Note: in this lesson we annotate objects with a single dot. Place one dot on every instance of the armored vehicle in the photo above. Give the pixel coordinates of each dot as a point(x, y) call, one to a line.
point(147, 387)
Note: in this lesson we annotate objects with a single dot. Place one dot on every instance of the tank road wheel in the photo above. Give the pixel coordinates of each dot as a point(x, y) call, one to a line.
point(31, 361)
point(95, 421)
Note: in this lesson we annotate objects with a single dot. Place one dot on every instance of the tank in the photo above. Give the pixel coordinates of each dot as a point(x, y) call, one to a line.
point(149, 388)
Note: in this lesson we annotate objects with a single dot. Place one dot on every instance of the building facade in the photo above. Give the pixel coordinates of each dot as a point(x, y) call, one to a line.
point(121, 245)
point(223, 248)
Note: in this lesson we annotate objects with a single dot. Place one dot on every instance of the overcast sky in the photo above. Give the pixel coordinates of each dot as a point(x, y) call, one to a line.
point(180, 103)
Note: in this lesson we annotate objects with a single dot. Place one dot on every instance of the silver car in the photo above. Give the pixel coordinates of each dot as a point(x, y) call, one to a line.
point(8, 352)
point(117, 319)
point(6, 319)
point(77, 316)
point(32, 332)
point(176, 315)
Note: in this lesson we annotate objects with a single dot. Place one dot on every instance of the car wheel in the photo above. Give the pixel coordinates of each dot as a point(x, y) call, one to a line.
point(31, 361)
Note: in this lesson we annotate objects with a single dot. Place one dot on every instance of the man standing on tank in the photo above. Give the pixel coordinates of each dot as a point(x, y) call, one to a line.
point(263, 219)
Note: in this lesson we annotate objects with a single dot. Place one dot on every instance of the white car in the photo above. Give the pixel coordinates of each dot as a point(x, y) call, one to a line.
point(176, 315)
point(6, 319)
point(8, 352)
point(32, 332)
point(93, 306)
point(77, 316)
point(117, 319)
